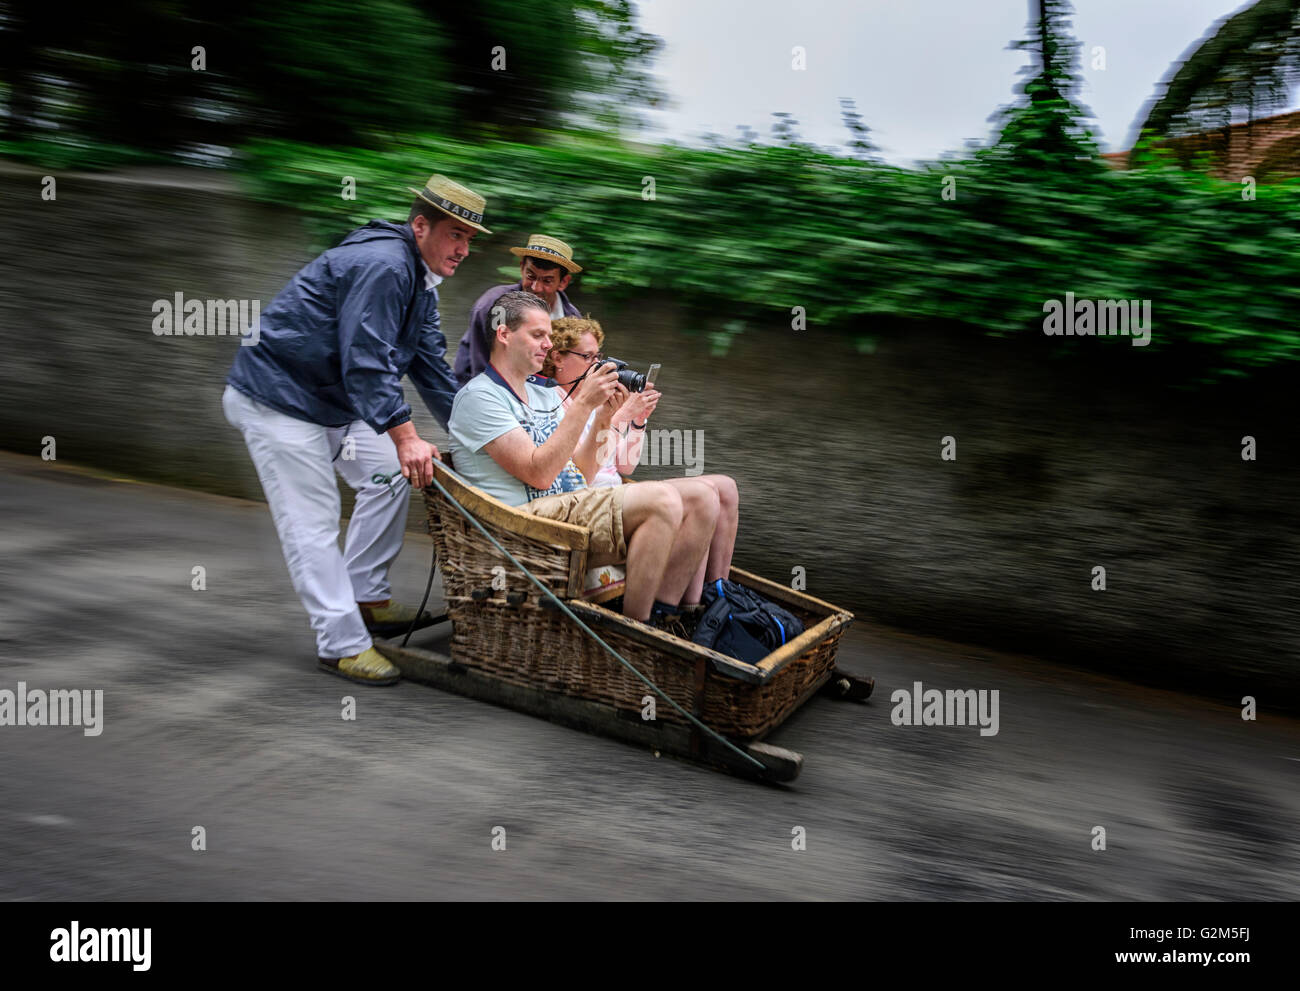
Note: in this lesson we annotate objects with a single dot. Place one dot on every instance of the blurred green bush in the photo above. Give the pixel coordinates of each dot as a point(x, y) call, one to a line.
point(760, 227)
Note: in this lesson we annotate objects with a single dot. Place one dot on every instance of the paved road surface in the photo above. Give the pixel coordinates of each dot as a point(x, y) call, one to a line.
point(215, 716)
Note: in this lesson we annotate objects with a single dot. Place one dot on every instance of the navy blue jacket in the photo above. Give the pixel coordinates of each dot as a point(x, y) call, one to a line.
point(338, 338)
point(476, 346)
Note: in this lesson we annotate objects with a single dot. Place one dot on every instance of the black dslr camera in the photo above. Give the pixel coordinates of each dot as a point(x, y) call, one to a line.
point(628, 379)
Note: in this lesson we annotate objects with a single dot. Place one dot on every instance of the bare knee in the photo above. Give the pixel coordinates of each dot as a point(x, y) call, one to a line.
point(666, 504)
point(728, 493)
point(700, 501)
point(725, 487)
point(651, 502)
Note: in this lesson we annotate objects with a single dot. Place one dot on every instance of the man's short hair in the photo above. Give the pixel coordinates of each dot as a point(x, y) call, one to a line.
point(510, 308)
point(542, 265)
point(423, 208)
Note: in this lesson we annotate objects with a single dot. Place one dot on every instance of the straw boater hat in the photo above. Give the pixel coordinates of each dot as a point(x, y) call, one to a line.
point(454, 200)
point(548, 249)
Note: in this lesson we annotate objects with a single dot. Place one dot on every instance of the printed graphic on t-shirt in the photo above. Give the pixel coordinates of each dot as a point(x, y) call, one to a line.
point(570, 479)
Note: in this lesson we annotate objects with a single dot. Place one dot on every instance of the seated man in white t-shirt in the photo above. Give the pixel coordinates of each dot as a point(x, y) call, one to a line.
point(511, 438)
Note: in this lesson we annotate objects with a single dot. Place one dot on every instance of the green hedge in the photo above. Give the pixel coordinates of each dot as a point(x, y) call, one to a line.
point(741, 230)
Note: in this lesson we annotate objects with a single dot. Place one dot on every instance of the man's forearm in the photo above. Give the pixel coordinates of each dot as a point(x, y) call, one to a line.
point(403, 432)
point(550, 458)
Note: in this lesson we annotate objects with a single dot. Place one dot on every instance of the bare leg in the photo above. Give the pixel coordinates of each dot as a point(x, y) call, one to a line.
point(717, 563)
point(723, 544)
point(699, 520)
point(695, 590)
point(652, 518)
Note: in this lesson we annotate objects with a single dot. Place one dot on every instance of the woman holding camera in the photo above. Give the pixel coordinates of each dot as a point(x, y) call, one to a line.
point(575, 349)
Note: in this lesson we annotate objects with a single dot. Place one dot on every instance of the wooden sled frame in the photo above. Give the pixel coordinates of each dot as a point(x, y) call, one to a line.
point(555, 702)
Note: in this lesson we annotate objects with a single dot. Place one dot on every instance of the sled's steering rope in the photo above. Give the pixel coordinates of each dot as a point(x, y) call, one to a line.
point(585, 628)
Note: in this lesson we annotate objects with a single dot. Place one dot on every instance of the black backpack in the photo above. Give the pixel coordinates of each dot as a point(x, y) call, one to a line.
point(742, 624)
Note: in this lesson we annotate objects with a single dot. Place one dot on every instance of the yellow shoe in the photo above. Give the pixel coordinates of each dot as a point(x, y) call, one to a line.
point(367, 668)
point(392, 619)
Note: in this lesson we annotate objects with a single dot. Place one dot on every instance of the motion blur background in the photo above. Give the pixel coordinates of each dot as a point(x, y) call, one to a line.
point(208, 149)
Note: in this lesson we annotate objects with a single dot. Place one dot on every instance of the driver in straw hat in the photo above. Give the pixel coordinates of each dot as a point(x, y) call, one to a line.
point(321, 391)
point(545, 268)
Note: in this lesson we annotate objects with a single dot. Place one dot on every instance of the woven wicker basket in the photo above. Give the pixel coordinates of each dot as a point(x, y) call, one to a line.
point(516, 634)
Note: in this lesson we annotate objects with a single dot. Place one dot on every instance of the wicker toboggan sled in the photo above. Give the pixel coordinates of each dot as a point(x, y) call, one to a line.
point(511, 644)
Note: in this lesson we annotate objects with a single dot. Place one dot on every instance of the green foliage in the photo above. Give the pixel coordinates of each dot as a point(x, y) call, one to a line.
point(1248, 65)
point(749, 232)
point(73, 151)
point(1047, 129)
point(332, 72)
point(346, 72)
point(511, 69)
point(520, 71)
point(614, 69)
point(111, 73)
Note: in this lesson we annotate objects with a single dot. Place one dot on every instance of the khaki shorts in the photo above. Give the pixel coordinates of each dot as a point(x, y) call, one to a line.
point(600, 510)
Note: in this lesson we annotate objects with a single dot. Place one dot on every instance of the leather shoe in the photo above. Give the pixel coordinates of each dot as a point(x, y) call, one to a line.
point(367, 668)
point(392, 619)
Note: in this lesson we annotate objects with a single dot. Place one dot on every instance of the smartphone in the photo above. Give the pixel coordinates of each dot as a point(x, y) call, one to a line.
point(652, 377)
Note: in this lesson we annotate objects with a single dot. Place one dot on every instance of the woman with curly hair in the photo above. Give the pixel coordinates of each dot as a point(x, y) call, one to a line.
point(575, 349)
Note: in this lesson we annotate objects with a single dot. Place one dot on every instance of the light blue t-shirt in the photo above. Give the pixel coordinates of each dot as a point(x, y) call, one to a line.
point(485, 409)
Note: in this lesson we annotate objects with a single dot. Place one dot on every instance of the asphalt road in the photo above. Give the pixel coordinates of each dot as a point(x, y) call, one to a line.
point(215, 715)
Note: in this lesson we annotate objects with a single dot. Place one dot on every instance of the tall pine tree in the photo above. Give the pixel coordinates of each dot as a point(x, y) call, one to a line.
point(1047, 129)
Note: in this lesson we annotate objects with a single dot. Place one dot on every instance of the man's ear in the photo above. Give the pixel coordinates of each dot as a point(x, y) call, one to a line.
point(564, 282)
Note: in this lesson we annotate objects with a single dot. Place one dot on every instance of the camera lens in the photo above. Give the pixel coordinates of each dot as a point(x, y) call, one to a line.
point(631, 381)
point(628, 379)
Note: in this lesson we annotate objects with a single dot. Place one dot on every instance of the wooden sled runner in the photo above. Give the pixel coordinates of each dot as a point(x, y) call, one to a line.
point(512, 645)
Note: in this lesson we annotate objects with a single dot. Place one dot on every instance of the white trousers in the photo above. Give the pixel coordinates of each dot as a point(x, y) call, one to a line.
point(293, 459)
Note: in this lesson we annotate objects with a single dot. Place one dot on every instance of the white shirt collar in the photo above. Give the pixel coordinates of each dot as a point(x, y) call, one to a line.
point(430, 279)
point(557, 311)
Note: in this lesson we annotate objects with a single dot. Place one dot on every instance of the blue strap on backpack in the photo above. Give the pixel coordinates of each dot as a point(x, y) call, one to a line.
point(741, 623)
